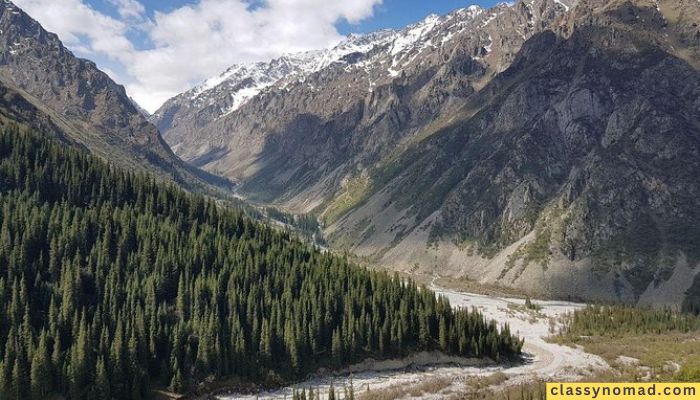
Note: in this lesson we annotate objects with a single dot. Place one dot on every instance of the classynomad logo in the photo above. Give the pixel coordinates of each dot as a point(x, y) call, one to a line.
point(623, 391)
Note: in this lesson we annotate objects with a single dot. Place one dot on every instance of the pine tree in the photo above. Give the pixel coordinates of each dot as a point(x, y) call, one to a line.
point(5, 385)
point(19, 381)
point(177, 384)
point(337, 347)
point(443, 337)
point(349, 392)
point(102, 384)
point(41, 370)
point(331, 392)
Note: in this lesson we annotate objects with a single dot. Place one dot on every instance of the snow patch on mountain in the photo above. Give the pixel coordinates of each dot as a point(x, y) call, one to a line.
point(413, 34)
point(566, 7)
point(232, 89)
point(240, 83)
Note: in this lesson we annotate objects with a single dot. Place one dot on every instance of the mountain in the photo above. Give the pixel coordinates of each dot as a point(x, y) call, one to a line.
point(244, 91)
point(377, 90)
point(222, 95)
point(47, 87)
point(546, 145)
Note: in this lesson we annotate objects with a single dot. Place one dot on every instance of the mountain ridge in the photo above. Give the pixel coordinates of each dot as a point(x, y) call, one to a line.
point(502, 155)
point(201, 150)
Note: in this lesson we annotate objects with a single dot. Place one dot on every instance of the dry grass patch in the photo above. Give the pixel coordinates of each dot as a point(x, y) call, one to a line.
point(482, 382)
point(650, 350)
point(529, 391)
point(431, 386)
point(659, 353)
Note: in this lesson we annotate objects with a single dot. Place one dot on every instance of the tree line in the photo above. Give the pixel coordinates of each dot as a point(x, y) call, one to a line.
point(113, 284)
point(620, 320)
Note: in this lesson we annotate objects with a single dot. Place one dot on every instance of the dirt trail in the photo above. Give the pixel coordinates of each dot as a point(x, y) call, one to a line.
point(543, 359)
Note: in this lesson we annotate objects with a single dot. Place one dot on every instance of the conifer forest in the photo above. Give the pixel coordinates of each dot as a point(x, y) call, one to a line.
point(113, 284)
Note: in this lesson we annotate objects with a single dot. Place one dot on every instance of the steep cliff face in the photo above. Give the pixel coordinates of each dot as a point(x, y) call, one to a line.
point(81, 101)
point(547, 145)
point(578, 174)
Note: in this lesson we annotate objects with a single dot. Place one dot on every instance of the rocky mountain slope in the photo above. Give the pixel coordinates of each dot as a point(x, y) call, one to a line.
point(45, 86)
point(548, 145)
point(226, 93)
point(326, 125)
point(331, 120)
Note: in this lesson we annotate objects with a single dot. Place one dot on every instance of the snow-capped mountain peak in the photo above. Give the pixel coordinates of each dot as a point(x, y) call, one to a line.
point(239, 83)
point(394, 49)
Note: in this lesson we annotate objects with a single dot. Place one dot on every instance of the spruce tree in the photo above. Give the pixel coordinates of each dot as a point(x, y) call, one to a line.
point(41, 370)
point(102, 384)
point(331, 392)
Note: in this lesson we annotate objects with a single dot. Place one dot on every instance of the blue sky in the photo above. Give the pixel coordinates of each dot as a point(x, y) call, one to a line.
point(392, 14)
point(158, 49)
point(399, 13)
point(389, 14)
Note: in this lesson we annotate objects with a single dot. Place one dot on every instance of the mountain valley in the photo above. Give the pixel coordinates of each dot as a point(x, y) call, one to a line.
point(467, 207)
point(547, 144)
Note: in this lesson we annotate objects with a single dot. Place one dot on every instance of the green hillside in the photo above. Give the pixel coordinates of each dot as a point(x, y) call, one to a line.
point(113, 284)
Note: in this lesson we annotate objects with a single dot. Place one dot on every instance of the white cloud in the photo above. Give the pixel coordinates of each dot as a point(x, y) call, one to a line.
point(129, 8)
point(194, 42)
point(80, 27)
